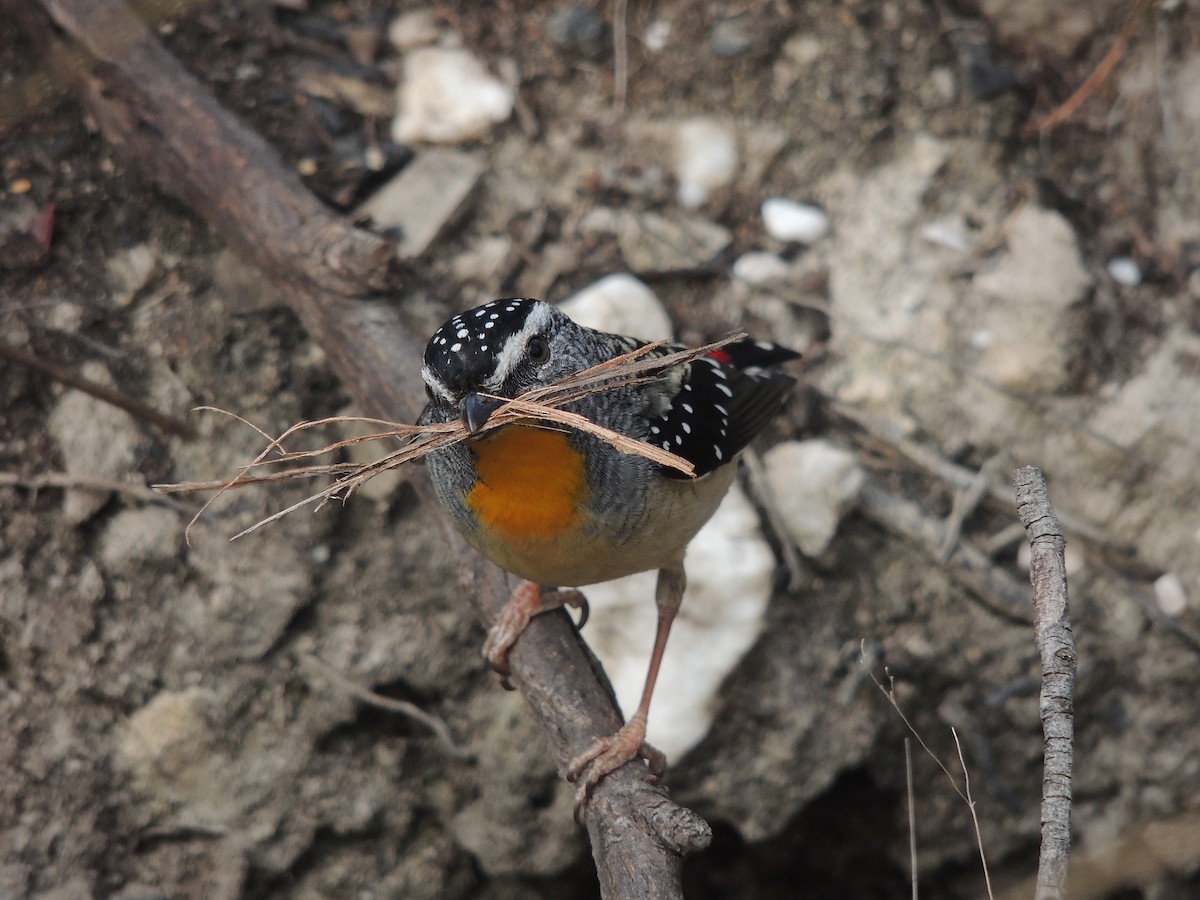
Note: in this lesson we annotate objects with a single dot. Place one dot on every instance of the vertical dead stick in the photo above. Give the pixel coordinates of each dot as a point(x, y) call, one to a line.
point(1052, 628)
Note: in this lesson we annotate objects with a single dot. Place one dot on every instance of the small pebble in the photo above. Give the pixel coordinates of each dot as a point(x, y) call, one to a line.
point(758, 268)
point(1124, 270)
point(949, 232)
point(706, 159)
point(576, 29)
point(731, 37)
point(1170, 595)
point(247, 71)
point(307, 166)
point(658, 33)
point(787, 220)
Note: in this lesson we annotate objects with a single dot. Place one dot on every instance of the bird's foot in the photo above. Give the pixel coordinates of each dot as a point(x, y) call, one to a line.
point(527, 600)
point(607, 754)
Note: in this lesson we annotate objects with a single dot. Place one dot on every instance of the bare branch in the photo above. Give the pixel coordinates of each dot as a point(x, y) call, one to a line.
point(1056, 645)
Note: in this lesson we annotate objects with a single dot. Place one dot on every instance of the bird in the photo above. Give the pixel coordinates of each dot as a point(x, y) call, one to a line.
point(561, 508)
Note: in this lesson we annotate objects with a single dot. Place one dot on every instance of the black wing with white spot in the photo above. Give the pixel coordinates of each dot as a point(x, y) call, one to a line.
point(723, 401)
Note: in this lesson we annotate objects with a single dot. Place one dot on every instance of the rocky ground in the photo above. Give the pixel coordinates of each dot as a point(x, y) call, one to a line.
point(181, 716)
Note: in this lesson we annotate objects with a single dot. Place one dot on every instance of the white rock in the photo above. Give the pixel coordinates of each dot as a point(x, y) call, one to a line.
point(729, 569)
point(448, 97)
point(658, 33)
point(815, 483)
point(757, 268)
point(621, 304)
point(1124, 270)
point(129, 270)
point(787, 220)
point(950, 232)
point(412, 29)
point(141, 535)
point(1029, 299)
point(1170, 594)
point(706, 159)
point(97, 440)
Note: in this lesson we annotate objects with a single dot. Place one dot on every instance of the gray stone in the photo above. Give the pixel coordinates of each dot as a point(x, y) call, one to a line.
point(654, 244)
point(148, 534)
point(1028, 304)
point(425, 199)
point(96, 439)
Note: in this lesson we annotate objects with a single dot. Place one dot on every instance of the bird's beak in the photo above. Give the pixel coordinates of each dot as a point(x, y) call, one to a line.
point(477, 409)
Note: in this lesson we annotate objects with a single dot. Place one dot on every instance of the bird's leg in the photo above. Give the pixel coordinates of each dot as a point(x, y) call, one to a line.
point(527, 600)
point(606, 754)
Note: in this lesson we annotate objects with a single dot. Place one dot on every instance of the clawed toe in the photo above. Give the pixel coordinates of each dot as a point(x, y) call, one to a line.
point(606, 755)
point(526, 602)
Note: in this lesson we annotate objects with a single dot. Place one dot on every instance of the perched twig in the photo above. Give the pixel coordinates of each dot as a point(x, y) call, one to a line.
point(135, 408)
point(1056, 644)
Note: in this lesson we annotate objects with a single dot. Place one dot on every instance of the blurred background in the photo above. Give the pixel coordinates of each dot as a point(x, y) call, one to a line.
point(978, 219)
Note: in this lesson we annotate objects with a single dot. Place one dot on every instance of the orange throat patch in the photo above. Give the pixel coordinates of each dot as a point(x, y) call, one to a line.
point(531, 483)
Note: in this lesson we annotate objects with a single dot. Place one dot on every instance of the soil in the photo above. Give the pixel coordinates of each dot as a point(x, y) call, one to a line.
point(172, 726)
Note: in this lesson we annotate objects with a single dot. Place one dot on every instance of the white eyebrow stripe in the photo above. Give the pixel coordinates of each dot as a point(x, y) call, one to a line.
point(514, 348)
point(436, 386)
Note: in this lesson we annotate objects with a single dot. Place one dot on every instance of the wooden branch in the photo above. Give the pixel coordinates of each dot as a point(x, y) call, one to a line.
point(1056, 645)
point(170, 128)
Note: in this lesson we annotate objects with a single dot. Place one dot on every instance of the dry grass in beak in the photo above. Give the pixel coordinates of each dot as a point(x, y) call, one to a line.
point(416, 441)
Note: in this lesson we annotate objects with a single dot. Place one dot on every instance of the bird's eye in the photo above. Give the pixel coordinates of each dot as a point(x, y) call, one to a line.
point(537, 350)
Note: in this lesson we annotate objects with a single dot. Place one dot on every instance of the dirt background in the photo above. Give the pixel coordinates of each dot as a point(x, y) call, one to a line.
point(170, 725)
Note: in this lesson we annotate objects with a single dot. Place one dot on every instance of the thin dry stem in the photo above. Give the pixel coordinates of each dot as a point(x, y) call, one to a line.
point(964, 793)
point(987, 879)
point(912, 817)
